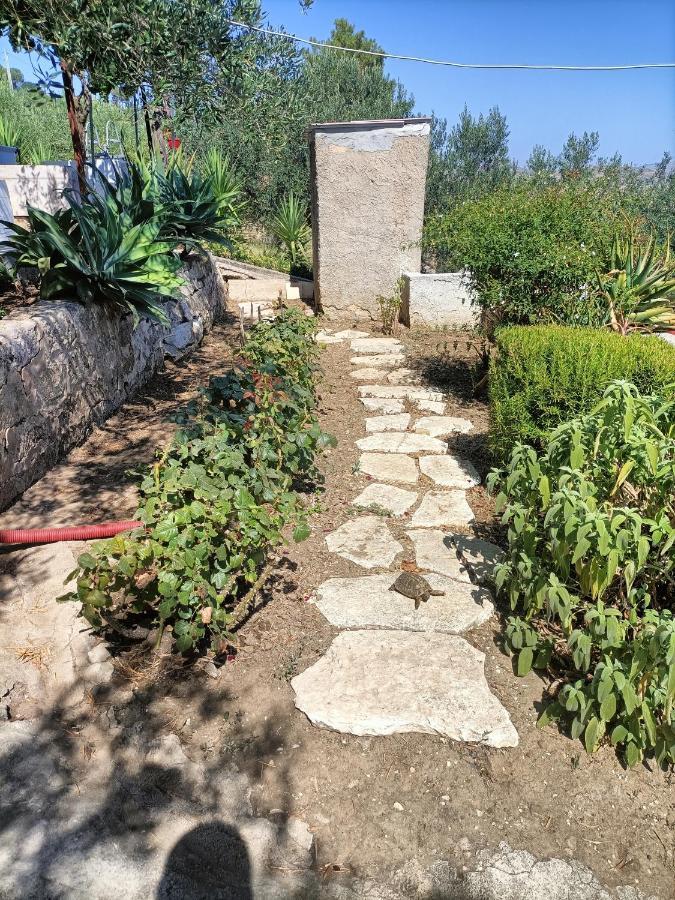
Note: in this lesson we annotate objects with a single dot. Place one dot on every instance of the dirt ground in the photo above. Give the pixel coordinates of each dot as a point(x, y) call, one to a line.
point(546, 796)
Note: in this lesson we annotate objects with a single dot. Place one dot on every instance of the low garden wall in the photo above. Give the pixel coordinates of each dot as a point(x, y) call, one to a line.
point(439, 299)
point(65, 366)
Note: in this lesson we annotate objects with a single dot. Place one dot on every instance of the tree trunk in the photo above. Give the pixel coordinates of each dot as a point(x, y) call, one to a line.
point(78, 110)
point(148, 127)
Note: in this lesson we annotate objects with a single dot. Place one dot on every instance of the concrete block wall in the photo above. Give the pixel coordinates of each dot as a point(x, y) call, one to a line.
point(436, 300)
point(368, 185)
point(66, 366)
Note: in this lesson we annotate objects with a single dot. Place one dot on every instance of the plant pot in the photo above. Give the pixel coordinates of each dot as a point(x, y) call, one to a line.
point(9, 156)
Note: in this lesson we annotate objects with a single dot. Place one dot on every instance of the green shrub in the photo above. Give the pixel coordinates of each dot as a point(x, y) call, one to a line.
point(590, 569)
point(218, 499)
point(543, 375)
point(531, 252)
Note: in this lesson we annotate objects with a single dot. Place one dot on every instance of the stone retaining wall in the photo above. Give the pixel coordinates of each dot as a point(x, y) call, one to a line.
point(440, 299)
point(65, 367)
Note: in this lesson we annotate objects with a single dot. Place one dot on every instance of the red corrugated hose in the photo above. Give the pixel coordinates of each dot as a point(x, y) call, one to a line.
point(53, 535)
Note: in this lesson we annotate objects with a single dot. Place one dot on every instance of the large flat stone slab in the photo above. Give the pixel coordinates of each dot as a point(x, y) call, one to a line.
point(399, 392)
point(392, 442)
point(351, 334)
point(436, 551)
point(398, 422)
point(389, 467)
point(432, 406)
point(377, 345)
point(449, 471)
point(387, 497)
point(322, 337)
point(386, 360)
point(480, 557)
point(442, 426)
point(366, 541)
point(443, 508)
point(395, 682)
point(366, 374)
point(375, 404)
point(367, 602)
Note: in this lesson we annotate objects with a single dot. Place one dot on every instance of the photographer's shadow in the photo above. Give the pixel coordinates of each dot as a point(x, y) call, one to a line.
point(210, 861)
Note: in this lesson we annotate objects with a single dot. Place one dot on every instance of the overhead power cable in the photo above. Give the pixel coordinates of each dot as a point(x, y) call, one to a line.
point(447, 62)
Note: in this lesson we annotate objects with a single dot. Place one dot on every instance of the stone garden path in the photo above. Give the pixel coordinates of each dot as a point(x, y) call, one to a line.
point(396, 668)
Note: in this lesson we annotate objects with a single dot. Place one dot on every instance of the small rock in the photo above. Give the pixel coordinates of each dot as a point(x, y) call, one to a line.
point(208, 667)
point(398, 806)
point(98, 654)
point(99, 673)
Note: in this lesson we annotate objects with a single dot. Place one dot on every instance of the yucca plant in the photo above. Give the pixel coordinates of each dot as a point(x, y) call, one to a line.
point(91, 253)
point(291, 228)
point(226, 184)
point(639, 289)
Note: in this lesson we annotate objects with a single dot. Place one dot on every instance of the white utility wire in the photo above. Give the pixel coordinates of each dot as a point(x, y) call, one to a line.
point(446, 62)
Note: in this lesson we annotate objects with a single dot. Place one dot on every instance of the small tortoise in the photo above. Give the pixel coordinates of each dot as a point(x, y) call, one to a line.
point(414, 586)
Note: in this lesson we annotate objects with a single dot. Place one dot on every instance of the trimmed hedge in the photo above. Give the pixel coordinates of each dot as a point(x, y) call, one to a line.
point(544, 375)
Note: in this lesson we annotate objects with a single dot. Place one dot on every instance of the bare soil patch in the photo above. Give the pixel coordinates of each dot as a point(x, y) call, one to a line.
point(546, 796)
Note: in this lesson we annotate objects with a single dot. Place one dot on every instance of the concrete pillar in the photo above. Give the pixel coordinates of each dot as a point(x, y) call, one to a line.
point(368, 184)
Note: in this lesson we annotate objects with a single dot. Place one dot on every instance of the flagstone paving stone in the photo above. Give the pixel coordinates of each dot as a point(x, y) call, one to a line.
point(389, 467)
point(392, 682)
point(368, 602)
point(436, 551)
point(449, 471)
point(350, 334)
point(432, 406)
point(375, 404)
point(393, 442)
point(443, 508)
point(366, 374)
point(377, 345)
point(394, 500)
point(480, 557)
point(322, 337)
point(400, 392)
point(366, 541)
point(441, 426)
point(388, 423)
point(383, 360)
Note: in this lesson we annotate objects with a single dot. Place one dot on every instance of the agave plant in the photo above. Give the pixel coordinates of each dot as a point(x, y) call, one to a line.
point(192, 209)
point(91, 253)
point(639, 289)
point(291, 228)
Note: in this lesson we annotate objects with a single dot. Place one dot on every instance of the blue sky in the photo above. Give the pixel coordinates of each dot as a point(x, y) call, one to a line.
point(634, 112)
